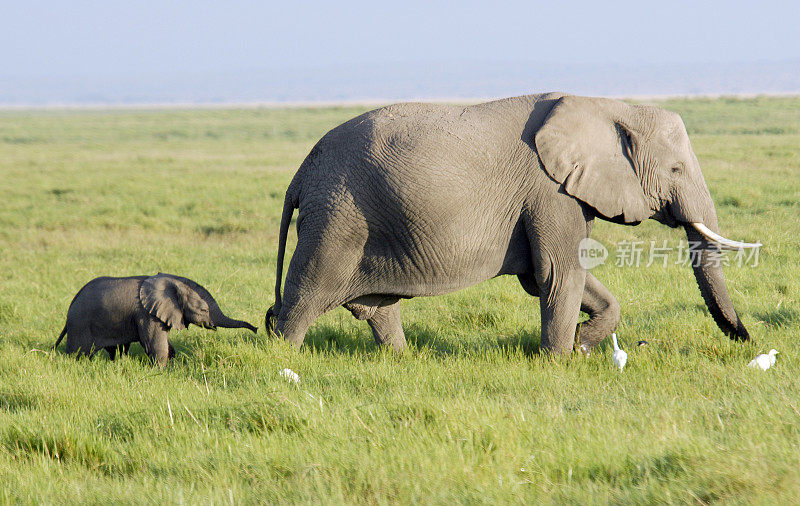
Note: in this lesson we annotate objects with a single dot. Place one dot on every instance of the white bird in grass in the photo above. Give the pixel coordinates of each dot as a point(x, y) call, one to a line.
point(619, 357)
point(764, 361)
point(290, 375)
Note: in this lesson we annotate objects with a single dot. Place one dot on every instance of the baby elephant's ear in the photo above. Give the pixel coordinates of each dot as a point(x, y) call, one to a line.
point(160, 296)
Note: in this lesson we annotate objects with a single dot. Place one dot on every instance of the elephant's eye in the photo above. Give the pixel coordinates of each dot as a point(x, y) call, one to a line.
point(677, 169)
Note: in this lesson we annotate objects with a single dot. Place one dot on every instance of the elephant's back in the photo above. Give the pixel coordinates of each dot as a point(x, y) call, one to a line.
point(106, 296)
point(431, 139)
point(413, 129)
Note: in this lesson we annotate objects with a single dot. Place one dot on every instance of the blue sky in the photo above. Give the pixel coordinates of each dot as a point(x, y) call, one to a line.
point(108, 40)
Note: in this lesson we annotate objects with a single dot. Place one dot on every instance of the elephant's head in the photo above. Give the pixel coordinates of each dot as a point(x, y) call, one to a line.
point(633, 162)
point(178, 301)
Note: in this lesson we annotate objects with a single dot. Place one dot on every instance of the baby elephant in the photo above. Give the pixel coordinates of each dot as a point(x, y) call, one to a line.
point(113, 312)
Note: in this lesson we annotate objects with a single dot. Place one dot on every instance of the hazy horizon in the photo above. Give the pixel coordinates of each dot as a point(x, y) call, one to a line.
point(203, 52)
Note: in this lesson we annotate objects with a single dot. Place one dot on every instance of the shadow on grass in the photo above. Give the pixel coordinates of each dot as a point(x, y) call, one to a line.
point(332, 339)
point(136, 351)
point(778, 318)
point(185, 346)
point(327, 338)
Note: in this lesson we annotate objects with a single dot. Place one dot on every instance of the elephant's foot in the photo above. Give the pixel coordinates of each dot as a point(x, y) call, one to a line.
point(270, 320)
point(292, 331)
point(579, 345)
point(396, 339)
point(604, 313)
point(588, 341)
point(587, 337)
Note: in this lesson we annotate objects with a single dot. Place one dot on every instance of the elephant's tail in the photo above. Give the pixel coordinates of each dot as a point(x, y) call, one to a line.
point(60, 336)
point(290, 203)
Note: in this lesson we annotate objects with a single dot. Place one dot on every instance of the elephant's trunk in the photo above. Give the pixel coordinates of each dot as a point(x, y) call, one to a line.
point(695, 210)
point(708, 272)
point(220, 320)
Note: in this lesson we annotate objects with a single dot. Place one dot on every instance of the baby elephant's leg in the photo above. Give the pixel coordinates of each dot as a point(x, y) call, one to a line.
point(123, 350)
point(154, 336)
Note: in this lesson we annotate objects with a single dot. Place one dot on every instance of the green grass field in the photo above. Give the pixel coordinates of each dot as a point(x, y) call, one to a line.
point(470, 414)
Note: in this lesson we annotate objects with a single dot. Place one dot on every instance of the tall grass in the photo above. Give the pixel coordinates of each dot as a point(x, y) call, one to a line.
point(470, 414)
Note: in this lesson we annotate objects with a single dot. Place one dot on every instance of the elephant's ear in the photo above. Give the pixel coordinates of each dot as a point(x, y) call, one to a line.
point(161, 297)
point(584, 145)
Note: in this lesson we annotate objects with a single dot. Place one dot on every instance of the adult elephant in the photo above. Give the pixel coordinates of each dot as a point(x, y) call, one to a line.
point(418, 199)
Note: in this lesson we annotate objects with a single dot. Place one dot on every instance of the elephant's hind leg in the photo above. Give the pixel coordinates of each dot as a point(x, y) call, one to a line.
point(383, 316)
point(80, 341)
point(603, 310)
point(298, 312)
point(387, 329)
point(320, 276)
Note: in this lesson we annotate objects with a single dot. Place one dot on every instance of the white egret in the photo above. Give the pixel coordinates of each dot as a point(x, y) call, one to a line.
point(619, 357)
point(290, 375)
point(764, 361)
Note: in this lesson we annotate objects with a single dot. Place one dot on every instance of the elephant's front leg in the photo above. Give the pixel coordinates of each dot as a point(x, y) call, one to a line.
point(604, 312)
point(154, 337)
point(560, 303)
point(601, 306)
point(554, 238)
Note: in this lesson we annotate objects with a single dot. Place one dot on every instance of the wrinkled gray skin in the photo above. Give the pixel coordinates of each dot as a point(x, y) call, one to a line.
point(110, 313)
point(416, 200)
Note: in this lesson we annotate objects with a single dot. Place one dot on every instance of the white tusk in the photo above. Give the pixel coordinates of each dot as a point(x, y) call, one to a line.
point(722, 242)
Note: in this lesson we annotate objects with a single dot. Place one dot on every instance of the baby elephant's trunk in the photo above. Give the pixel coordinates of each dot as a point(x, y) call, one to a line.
point(230, 323)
